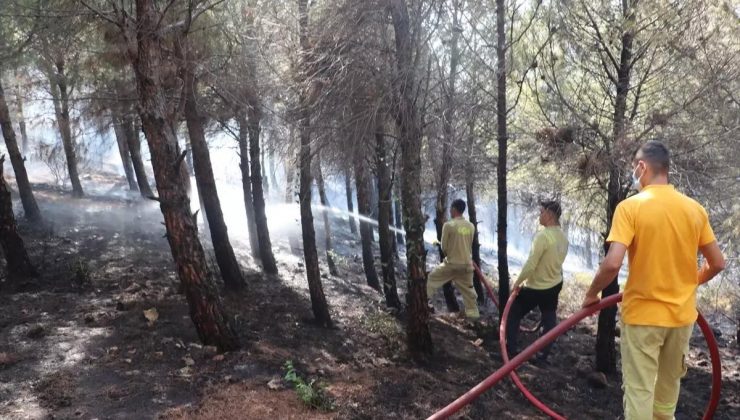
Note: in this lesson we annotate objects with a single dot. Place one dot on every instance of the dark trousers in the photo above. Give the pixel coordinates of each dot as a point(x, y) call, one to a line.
point(528, 299)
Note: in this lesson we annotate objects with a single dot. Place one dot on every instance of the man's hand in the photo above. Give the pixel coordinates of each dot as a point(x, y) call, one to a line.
point(590, 301)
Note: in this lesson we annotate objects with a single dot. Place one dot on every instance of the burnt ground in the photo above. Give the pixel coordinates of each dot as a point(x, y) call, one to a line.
point(74, 343)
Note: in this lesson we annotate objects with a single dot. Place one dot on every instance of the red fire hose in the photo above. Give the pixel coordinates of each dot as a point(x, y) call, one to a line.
point(560, 329)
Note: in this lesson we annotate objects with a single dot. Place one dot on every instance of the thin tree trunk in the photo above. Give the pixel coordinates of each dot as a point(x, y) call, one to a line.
point(362, 185)
point(397, 211)
point(13, 248)
point(60, 97)
point(311, 256)
point(206, 309)
point(385, 237)
point(271, 159)
point(131, 131)
point(350, 205)
point(265, 181)
point(473, 215)
point(247, 183)
point(254, 115)
point(418, 337)
point(325, 212)
point(21, 121)
point(502, 138)
point(30, 207)
point(606, 351)
point(128, 168)
point(446, 164)
point(205, 181)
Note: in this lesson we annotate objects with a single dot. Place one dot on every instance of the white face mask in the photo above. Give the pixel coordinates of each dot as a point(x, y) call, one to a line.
point(636, 185)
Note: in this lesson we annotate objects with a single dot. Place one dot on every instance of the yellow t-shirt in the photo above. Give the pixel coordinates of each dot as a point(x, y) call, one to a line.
point(544, 266)
point(457, 241)
point(662, 230)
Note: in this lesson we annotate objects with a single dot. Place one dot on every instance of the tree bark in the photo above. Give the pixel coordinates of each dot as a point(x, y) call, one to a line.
point(311, 256)
point(418, 337)
point(131, 131)
point(21, 121)
point(502, 138)
point(350, 205)
point(362, 184)
point(60, 97)
point(128, 168)
point(241, 120)
point(397, 211)
point(13, 248)
point(473, 215)
point(206, 309)
point(606, 351)
point(30, 207)
point(204, 179)
point(446, 163)
point(325, 212)
point(254, 115)
point(385, 237)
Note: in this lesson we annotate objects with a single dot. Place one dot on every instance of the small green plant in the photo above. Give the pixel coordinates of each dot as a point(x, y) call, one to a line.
point(311, 393)
point(386, 326)
point(81, 272)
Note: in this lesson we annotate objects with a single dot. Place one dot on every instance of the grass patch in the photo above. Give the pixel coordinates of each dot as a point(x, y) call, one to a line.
point(386, 326)
point(311, 393)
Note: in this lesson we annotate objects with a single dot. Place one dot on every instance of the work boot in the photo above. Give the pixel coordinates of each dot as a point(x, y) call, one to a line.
point(540, 361)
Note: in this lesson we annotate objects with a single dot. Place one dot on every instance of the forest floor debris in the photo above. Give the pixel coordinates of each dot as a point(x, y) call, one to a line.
point(77, 341)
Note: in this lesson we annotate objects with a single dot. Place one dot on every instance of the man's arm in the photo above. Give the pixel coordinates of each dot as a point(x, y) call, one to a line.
point(445, 239)
point(713, 264)
point(608, 270)
point(538, 248)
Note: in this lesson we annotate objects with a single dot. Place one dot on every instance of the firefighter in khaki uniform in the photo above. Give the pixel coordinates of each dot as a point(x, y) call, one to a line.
point(457, 245)
point(662, 231)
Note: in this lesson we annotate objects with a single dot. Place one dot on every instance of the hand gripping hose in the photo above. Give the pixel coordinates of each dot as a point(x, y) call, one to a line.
point(560, 329)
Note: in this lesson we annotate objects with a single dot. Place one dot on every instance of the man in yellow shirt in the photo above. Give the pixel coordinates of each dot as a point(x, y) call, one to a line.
point(542, 277)
point(662, 231)
point(457, 245)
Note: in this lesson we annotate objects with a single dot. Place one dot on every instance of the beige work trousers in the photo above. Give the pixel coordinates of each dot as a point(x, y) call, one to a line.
point(653, 363)
point(461, 276)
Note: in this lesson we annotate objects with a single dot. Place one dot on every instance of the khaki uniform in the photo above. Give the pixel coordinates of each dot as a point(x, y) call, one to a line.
point(663, 231)
point(457, 245)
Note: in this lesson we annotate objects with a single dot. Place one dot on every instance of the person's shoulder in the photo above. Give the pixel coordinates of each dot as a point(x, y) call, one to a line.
point(689, 202)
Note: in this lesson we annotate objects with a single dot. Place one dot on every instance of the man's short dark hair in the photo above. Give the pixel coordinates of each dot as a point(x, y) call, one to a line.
point(656, 154)
point(553, 206)
point(458, 205)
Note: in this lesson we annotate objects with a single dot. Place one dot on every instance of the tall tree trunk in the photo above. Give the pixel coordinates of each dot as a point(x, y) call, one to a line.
point(397, 211)
point(418, 337)
point(350, 205)
point(362, 184)
point(204, 179)
point(13, 248)
point(311, 256)
point(606, 352)
point(128, 168)
point(446, 164)
point(60, 97)
point(385, 237)
point(30, 207)
point(254, 115)
point(131, 131)
point(21, 120)
point(502, 138)
point(247, 182)
point(325, 212)
point(206, 309)
point(473, 214)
